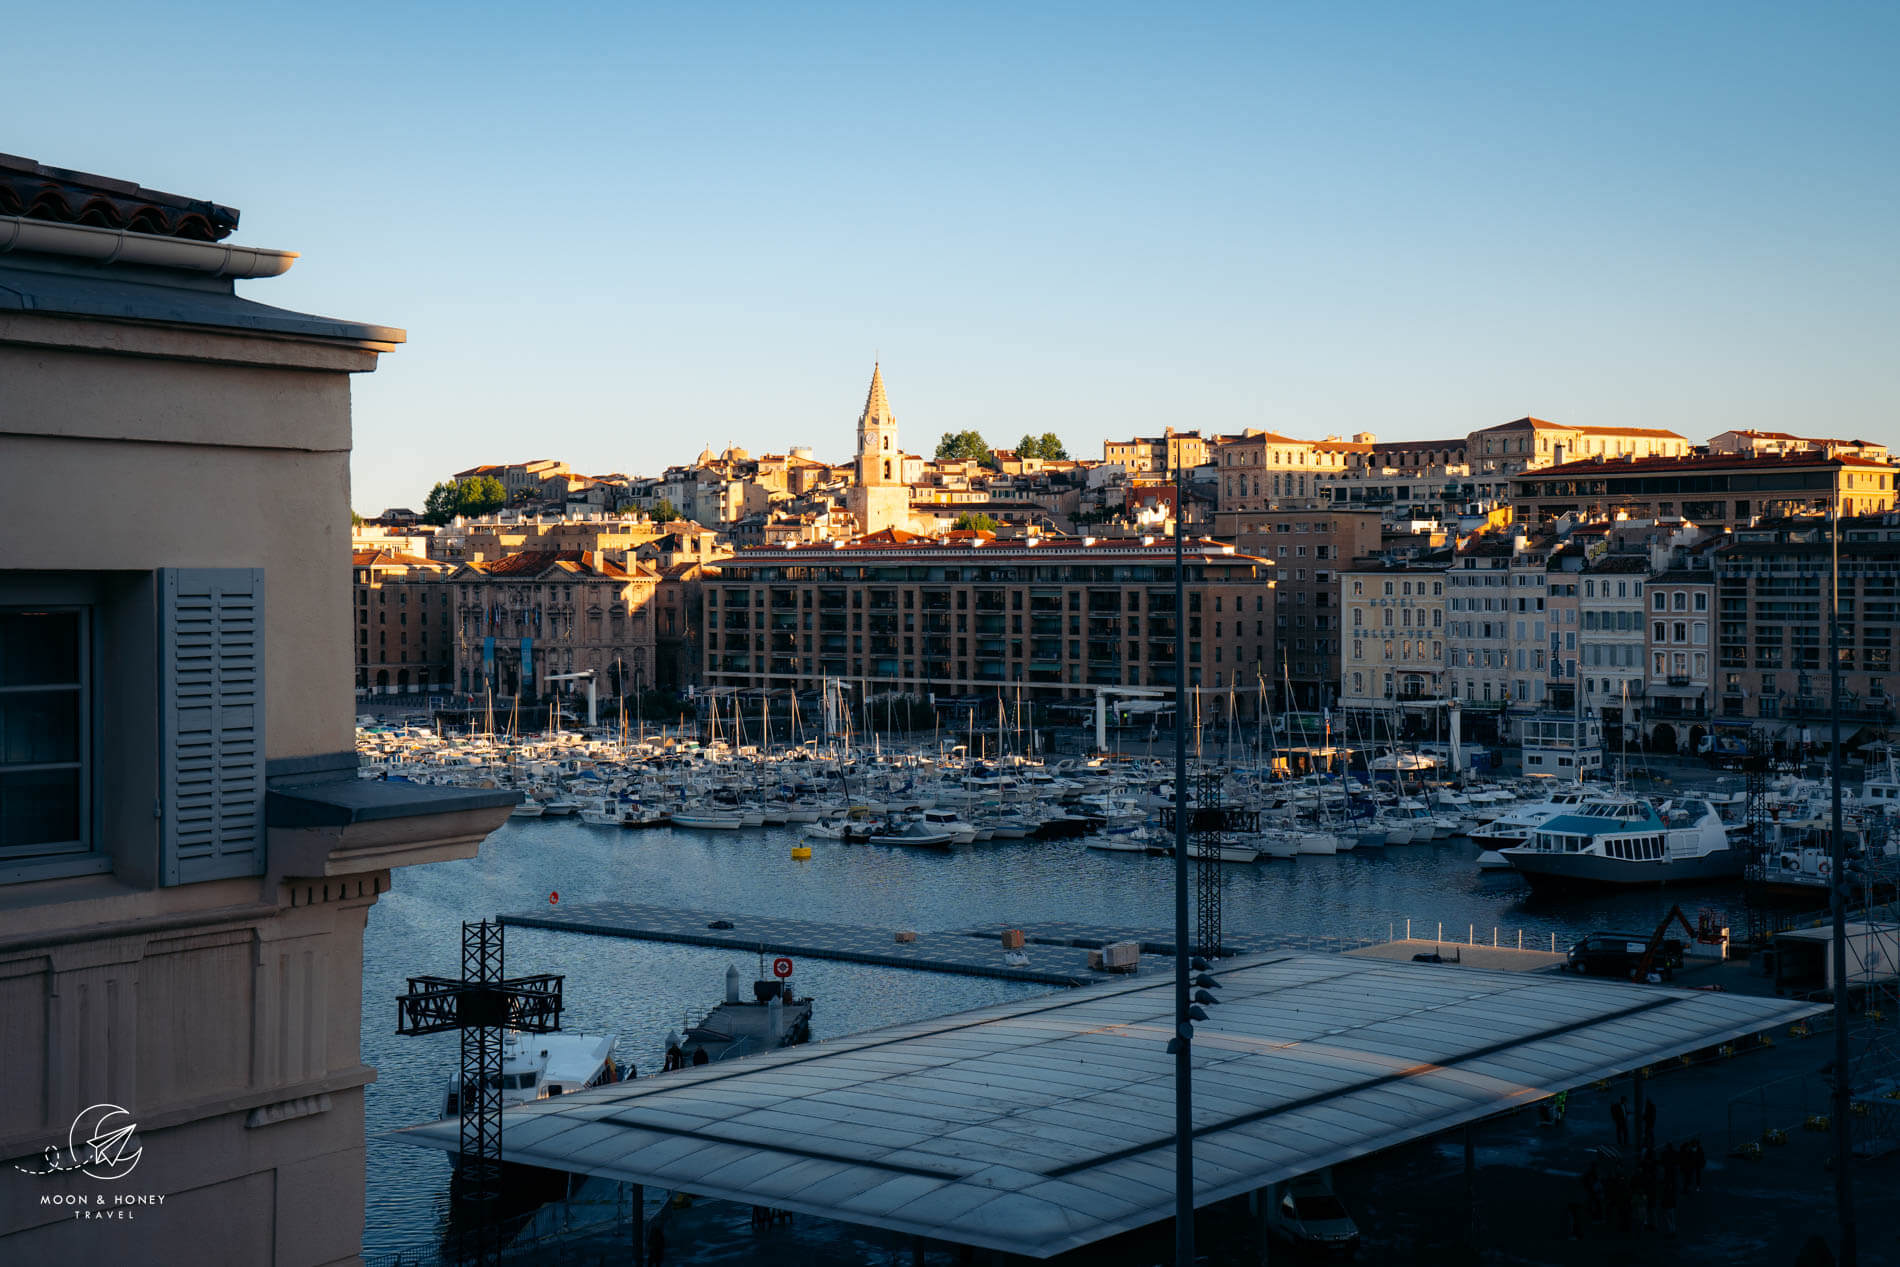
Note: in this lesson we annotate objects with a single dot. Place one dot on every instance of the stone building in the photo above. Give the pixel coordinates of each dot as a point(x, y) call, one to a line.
point(521, 618)
point(1613, 658)
point(186, 856)
point(1394, 637)
point(969, 614)
point(1679, 696)
point(402, 632)
point(1716, 491)
point(1157, 455)
point(1529, 443)
point(1308, 548)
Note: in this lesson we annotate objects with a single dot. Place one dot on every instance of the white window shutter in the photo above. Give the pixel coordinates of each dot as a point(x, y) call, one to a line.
point(211, 705)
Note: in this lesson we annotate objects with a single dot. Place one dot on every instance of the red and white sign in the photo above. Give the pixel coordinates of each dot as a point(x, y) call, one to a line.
point(781, 968)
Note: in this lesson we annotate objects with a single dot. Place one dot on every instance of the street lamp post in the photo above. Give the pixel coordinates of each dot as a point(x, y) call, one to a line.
point(1183, 1031)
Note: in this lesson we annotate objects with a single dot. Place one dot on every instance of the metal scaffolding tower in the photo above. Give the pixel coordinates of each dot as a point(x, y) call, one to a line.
point(1210, 834)
point(481, 1004)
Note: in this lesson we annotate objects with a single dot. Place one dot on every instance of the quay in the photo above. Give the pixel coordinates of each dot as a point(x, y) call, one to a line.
point(961, 953)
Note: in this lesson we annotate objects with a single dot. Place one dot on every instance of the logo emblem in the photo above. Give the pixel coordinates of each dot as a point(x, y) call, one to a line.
point(99, 1144)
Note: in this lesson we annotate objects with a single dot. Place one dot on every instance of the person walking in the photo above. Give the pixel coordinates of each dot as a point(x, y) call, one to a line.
point(1646, 1184)
point(1685, 1164)
point(1698, 1158)
point(1668, 1199)
point(1620, 1117)
point(1649, 1123)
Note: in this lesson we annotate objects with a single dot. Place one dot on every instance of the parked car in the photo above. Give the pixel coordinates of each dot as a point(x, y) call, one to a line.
point(1618, 955)
point(1308, 1215)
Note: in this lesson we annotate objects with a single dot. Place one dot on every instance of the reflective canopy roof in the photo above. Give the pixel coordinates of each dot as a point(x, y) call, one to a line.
point(1045, 1124)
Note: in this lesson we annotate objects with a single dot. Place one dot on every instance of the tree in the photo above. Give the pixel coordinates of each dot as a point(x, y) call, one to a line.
point(478, 496)
point(356, 520)
point(1028, 447)
point(1050, 449)
point(965, 446)
point(439, 507)
point(663, 512)
point(967, 522)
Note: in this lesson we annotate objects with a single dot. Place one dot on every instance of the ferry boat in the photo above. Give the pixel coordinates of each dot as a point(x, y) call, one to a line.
point(536, 1066)
point(1611, 841)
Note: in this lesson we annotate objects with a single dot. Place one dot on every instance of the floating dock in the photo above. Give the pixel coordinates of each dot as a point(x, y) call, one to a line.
point(1058, 950)
point(962, 953)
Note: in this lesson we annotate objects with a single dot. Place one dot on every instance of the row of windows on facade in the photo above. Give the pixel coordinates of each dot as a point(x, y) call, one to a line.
point(887, 600)
point(1405, 588)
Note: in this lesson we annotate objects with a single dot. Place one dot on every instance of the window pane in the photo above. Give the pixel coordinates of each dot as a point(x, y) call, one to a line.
point(39, 807)
point(38, 647)
point(38, 727)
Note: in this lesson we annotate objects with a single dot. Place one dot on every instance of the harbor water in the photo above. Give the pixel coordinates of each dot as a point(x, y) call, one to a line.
point(639, 990)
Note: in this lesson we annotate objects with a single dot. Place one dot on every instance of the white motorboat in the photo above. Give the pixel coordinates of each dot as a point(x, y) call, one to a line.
point(529, 808)
point(704, 821)
point(913, 833)
point(536, 1066)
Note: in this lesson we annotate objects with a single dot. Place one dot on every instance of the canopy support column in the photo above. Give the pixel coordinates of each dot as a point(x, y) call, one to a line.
point(1471, 1186)
point(639, 1225)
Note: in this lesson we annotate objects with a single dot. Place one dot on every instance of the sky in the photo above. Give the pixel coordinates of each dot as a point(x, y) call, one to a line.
point(618, 234)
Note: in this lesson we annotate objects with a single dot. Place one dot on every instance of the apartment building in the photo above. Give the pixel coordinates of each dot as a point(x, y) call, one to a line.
point(1759, 442)
point(1157, 455)
point(968, 614)
point(1528, 443)
point(1260, 470)
point(403, 637)
point(1716, 491)
point(542, 477)
point(1774, 592)
point(186, 856)
point(1308, 548)
point(486, 539)
point(1613, 656)
point(1563, 593)
point(1394, 636)
point(521, 618)
point(1679, 696)
point(1477, 629)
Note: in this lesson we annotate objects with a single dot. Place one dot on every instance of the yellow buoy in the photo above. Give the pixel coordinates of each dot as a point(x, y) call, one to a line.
point(801, 852)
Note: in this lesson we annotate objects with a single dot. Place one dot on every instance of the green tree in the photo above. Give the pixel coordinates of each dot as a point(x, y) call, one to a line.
point(965, 446)
point(1028, 447)
point(440, 505)
point(480, 496)
point(1050, 449)
point(967, 522)
point(356, 520)
point(663, 512)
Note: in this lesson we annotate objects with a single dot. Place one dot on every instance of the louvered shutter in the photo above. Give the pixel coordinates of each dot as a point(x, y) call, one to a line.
point(211, 704)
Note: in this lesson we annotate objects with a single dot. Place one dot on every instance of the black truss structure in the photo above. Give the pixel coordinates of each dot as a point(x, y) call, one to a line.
point(482, 1004)
point(1210, 835)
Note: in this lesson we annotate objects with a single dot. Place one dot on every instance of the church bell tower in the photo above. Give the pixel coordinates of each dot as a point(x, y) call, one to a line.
point(880, 499)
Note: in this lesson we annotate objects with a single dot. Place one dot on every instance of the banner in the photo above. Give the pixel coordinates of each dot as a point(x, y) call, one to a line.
point(488, 659)
point(527, 665)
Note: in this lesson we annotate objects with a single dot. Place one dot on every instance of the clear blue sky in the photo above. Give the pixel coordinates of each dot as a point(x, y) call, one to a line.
point(619, 233)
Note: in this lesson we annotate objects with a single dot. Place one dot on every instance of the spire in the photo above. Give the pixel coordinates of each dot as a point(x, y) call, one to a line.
point(876, 407)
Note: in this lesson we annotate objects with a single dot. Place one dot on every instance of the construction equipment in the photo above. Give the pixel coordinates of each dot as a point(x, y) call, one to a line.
point(1705, 930)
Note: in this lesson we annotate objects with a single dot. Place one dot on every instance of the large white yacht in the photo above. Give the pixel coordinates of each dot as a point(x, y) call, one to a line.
point(1621, 840)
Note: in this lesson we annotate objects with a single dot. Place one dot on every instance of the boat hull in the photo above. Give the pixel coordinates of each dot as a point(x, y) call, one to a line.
point(1558, 871)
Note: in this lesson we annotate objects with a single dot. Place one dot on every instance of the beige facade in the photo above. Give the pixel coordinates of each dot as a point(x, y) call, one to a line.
point(174, 942)
point(484, 540)
point(524, 617)
point(1679, 694)
point(972, 615)
point(1157, 455)
point(1532, 442)
point(1612, 664)
point(1394, 638)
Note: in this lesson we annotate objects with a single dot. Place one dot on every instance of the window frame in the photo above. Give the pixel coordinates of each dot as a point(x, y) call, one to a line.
point(35, 858)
